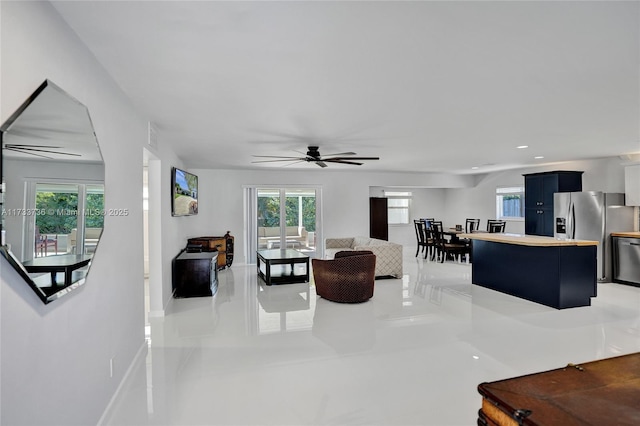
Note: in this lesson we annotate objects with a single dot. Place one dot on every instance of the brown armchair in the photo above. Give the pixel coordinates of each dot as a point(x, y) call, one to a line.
point(347, 278)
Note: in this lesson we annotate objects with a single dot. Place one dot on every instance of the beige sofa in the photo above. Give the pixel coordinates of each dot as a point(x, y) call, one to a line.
point(388, 254)
point(268, 235)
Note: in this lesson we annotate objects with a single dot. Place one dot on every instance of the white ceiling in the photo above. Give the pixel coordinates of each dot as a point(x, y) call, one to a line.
point(50, 126)
point(426, 86)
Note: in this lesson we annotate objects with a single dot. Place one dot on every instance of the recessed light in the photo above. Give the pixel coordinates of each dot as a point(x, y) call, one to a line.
point(522, 146)
point(475, 168)
point(538, 157)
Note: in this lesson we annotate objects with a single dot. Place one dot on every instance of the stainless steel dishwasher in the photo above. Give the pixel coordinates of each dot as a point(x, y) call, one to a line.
point(626, 260)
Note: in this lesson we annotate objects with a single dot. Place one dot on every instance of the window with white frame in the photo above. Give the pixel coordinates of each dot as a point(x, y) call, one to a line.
point(510, 202)
point(398, 205)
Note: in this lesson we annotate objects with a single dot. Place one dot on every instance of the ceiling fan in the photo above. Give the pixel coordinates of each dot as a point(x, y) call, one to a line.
point(313, 156)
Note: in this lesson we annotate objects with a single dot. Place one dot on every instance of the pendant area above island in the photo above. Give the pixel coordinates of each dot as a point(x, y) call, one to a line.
point(559, 273)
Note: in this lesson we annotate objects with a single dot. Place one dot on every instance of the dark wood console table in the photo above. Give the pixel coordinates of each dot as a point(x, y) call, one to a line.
point(66, 263)
point(195, 274)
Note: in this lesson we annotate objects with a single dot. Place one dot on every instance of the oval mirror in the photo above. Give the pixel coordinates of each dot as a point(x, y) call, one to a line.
point(52, 192)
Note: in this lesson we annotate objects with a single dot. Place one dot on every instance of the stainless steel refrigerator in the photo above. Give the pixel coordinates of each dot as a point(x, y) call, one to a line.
point(592, 215)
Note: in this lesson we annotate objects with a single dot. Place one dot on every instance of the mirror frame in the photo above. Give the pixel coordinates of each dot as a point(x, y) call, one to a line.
point(12, 259)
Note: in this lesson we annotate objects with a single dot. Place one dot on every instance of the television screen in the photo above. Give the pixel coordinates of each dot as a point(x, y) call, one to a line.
point(184, 200)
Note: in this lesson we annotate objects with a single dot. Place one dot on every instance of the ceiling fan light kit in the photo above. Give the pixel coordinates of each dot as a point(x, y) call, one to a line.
point(313, 156)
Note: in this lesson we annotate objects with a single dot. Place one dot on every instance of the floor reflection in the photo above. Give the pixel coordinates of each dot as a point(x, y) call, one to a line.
point(280, 306)
point(280, 355)
point(346, 327)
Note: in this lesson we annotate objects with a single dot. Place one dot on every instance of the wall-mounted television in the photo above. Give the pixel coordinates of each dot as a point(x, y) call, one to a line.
point(184, 193)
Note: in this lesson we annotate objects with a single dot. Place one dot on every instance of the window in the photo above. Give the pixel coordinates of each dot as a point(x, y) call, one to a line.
point(70, 207)
point(510, 202)
point(280, 217)
point(398, 204)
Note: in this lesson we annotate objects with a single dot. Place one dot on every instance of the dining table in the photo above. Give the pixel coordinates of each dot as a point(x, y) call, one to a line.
point(453, 233)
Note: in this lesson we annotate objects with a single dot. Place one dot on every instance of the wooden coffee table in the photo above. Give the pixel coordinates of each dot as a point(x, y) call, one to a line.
point(270, 258)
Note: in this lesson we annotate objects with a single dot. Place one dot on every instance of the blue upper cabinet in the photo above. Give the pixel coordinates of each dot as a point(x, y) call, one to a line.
point(538, 198)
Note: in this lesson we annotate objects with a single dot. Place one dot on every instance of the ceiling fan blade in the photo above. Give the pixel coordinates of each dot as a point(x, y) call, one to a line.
point(277, 156)
point(351, 158)
point(27, 150)
point(295, 162)
point(339, 153)
point(333, 160)
point(29, 153)
point(321, 163)
point(281, 159)
point(21, 145)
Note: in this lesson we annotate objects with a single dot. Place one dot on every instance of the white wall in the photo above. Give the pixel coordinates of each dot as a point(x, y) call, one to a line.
point(55, 358)
point(605, 175)
point(345, 197)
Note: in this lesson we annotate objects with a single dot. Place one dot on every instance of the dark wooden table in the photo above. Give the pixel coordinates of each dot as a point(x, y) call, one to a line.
point(604, 392)
point(453, 234)
point(66, 263)
point(290, 257)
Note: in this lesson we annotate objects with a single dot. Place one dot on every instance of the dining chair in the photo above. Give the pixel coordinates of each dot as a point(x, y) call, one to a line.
point(43, 242)
point(496, 226)
point(421, 237)
point(427, 220)
point(471, 225)
point(432, 224)
point(427, 232)
point(443, 248)
point(491, 221)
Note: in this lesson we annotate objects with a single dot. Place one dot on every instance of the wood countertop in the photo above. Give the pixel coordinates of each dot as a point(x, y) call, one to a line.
point(526, 240)
point(629, 234)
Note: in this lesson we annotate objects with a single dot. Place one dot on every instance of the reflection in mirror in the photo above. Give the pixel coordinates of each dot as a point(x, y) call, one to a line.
point(52, 192)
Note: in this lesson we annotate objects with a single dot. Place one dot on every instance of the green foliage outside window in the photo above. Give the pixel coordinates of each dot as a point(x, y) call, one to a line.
point(309, 213)
point(269, 212)
point(61, 212)
point(94, 217)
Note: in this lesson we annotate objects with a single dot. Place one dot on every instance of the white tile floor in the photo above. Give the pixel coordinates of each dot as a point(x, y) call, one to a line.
point(412, 355)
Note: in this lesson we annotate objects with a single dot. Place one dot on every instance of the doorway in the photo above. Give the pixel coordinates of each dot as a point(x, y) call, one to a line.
point(283, 217)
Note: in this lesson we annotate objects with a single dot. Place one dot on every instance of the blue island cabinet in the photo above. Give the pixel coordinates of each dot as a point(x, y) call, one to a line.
point(555, 273)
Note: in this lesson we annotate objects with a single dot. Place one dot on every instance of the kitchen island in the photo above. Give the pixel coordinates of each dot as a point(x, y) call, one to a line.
point(553, 272)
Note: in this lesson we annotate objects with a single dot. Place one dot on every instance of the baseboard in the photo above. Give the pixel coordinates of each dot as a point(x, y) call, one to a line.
point(142, 352)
